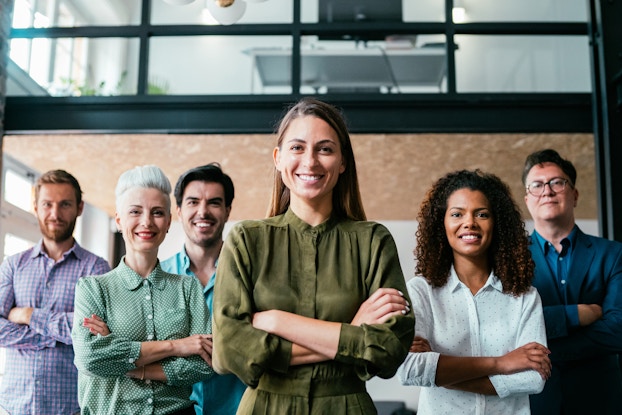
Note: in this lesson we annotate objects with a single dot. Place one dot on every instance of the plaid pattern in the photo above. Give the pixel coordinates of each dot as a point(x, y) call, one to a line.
point(40, 377)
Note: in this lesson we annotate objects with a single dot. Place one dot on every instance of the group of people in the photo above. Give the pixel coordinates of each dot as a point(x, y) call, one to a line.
point(293, 313)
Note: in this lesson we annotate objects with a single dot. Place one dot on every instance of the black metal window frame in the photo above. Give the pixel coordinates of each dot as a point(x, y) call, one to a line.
point(449, 112)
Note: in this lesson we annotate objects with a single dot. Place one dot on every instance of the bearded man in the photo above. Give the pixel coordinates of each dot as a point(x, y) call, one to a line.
point(36, 305)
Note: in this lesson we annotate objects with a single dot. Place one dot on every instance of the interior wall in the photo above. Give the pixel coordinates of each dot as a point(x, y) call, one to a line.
point(395, 170)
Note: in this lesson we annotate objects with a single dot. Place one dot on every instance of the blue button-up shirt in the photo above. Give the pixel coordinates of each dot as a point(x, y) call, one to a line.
point(220, 394)
point(40, 376)
point(559, 264)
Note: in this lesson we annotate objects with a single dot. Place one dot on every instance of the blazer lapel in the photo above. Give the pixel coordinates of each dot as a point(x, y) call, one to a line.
point(582, 257)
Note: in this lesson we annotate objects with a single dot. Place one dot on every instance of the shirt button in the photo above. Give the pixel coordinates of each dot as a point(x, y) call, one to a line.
point(148, 297)
point(148, 381)
point(130, 360)
point(150, 337)
point(149, 400)
point(150, 317)
point(563, 281)
point(145, 283)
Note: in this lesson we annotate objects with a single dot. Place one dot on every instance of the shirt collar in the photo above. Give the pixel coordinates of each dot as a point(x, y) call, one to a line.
point(132, 280)
point(75, 250)
point(544, 244)
point(303, 226)
point(454, 283)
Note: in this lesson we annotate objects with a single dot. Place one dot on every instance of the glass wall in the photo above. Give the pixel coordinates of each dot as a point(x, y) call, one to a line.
point(342, 46)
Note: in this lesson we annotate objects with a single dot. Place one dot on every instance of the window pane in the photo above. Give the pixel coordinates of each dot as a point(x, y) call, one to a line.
point(79, 66)
point(70, 13)
point(522, 64)
point(206, 65)
point(18, 190)
point(324, 11)
point(273, 11)
point(395, 64)
point(14, 244)
point(524, 10)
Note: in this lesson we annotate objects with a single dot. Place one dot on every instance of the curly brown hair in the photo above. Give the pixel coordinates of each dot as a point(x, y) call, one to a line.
point(508, 255)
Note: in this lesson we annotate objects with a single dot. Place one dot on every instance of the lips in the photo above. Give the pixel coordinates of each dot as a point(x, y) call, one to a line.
point(145, 235)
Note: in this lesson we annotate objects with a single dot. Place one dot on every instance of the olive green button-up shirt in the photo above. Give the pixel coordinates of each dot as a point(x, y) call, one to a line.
point(162, 306)
point(324, 272)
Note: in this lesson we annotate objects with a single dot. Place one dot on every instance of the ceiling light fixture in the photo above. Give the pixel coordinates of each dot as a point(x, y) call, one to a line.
point(226, 12)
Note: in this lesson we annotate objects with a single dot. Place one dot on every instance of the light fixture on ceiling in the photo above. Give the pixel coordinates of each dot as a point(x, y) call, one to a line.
point(226, 12)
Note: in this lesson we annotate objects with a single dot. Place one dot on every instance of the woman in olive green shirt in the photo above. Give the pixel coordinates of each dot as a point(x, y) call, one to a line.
point(140, 333)
point(309, 303)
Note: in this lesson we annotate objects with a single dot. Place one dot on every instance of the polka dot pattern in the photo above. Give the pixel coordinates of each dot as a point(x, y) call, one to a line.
point(161, 307)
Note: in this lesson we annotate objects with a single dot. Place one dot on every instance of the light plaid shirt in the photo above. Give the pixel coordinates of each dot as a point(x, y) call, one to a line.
point(40, 376)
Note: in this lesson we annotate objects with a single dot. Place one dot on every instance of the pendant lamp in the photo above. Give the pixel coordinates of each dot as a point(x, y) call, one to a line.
point(226, 12)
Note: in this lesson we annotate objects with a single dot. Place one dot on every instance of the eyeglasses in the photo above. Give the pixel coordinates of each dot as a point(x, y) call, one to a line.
point(557, 185)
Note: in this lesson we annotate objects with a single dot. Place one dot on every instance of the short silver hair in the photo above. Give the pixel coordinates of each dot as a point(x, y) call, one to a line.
point(146, 177)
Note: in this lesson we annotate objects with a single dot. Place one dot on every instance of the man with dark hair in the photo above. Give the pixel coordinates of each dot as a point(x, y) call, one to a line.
point(579, 278)
point(36, 305)
point(204, 196)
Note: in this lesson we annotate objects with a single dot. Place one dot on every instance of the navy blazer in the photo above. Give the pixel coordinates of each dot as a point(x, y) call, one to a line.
point(586, 377)
point(595, 277)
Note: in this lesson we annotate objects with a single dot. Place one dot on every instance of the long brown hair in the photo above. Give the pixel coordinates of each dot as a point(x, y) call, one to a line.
point(347, 202)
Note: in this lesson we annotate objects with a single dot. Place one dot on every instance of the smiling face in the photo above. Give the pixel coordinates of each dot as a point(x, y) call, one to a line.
point(551, 206)
point(203, 213)
point(144, 219)
point(310, 161)
point(469, 223)
point(56, 210)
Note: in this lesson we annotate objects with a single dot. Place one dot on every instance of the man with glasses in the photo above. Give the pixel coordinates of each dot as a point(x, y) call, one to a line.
point(579, 278)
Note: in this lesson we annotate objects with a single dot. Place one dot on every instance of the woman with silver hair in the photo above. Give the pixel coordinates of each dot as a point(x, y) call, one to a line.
point(141, 334)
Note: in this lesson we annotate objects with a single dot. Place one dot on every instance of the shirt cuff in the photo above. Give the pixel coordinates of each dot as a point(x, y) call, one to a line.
point(38, 321)
point(572, 315)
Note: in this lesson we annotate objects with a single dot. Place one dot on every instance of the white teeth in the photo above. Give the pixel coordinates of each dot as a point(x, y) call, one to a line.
point(308, 177)
point(469, 237)
point(202, 225)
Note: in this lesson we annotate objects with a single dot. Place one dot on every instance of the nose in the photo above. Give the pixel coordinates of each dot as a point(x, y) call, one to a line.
point(310, 158)
point(54, 210)
point(146, 220)
point(202, 209)
point(546, 186)
point(469, 221)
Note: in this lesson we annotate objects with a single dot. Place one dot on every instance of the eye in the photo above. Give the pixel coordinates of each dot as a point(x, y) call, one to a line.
point(556, 182)
point(327, 149)
point(483, 215)
point(455, 214)
point(134, 212)
point(158, 213)
point(536, 185)
point(296, 147)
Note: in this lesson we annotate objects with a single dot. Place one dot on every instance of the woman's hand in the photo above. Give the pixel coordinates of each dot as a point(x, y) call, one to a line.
point(197, 344)
point(380, 306)
point(420, 345)
point(96, 325)
point(532, 356)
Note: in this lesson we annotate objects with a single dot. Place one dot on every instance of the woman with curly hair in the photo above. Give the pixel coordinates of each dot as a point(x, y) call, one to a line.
point(480, 339)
